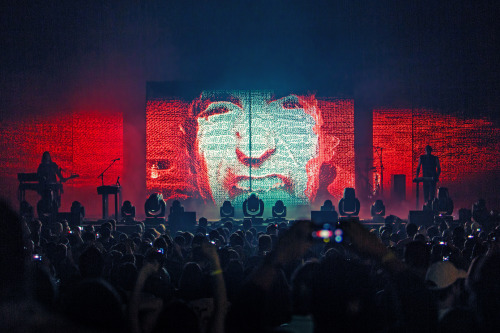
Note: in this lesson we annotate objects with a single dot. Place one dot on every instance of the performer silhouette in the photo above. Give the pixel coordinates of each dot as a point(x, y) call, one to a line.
point(430, 168)
point(49, 188)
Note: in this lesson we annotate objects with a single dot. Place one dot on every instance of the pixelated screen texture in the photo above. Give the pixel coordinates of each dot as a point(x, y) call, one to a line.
point(173, 160)
point(468, 149)
point(82, 143)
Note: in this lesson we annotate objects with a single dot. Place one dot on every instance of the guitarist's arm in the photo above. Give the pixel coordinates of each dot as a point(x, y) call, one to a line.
point(59, 174)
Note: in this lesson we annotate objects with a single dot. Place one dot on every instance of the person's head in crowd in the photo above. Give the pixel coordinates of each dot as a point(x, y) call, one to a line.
point(127, 258)
point(190, 282)
point(188, 238)
point(112, 223)
point(120, 247)
point(247, 224)
point(107, 225)
point(432, 232)
point(113, 256)
point(161, 229)
point(145, 246)
point(228, 225)
point(197, 254)
point(60, 253)
point(226, 232)
point(213, 234)
point(122, 237)
point(411, 230)
point(137, 241)
point(88, 237)
point(385, 237)
point(254, 232)
point(94, 304)
point(76, 230)
point(249, 237)
point(444, 280)
point(57, 229)
point(35, 226)
point(105, 234)
point(151, 233)
point(180, 240)
point(419, 238)
point(91, 263)
point(161, 243)
point(265, 244)
point(65, 227)
point(154, 255)
point(236, 240)
point(271, 229)
point(89, 228)
point(395, 237)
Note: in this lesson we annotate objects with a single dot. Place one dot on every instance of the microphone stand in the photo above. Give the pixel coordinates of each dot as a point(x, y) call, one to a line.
point(102, 173)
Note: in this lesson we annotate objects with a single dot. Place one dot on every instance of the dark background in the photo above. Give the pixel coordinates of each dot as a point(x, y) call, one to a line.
point(61, 56)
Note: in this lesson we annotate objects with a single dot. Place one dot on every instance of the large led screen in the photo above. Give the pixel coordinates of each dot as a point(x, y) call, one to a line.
point(224, 145)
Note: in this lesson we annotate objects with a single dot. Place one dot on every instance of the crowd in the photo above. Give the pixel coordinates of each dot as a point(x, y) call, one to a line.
point(231, 278)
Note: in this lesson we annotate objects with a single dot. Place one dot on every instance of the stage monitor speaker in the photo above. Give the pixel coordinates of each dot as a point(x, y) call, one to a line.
point(398, 187)
point(418, 217)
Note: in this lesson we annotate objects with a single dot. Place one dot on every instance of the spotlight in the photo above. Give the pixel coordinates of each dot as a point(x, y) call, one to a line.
point(377, 211)
point(226, 211)
point(128, 212)
point(349, 205)
point(279, 211)
point(154, 207)
point(253, 208)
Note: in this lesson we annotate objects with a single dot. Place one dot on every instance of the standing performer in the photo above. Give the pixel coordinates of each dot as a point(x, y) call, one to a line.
point(430, 168)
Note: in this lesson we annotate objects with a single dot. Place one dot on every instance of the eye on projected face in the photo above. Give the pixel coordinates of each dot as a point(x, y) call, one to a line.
point(252, 141)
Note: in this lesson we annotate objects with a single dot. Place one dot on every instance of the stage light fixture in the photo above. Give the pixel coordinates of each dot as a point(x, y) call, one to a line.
point(349, 205)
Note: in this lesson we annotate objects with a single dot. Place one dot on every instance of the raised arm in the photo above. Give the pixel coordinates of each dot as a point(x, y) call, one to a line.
point(418, 166)
point(220, 298)
point(135, 301)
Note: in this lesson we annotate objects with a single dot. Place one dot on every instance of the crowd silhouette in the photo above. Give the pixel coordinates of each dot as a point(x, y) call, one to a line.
point(230, 277)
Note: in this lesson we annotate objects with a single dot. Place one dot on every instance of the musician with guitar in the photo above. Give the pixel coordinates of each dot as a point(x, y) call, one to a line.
point(431, 170)
point(49, 188)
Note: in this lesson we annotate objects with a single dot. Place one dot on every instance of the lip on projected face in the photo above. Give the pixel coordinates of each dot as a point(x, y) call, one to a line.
point(237, 185)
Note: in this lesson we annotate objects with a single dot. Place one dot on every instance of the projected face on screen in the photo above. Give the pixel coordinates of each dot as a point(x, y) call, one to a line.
point(224, 145)
point(255, 141)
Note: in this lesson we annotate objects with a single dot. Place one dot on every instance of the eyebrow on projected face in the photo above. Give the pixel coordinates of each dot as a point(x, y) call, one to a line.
point(287, 102)
point(217, 104)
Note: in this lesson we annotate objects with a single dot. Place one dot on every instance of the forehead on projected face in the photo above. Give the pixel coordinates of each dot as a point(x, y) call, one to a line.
point(211, 100)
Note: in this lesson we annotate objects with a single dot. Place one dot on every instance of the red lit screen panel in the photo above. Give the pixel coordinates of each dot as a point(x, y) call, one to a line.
point(468, 149)
point(83, 143)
